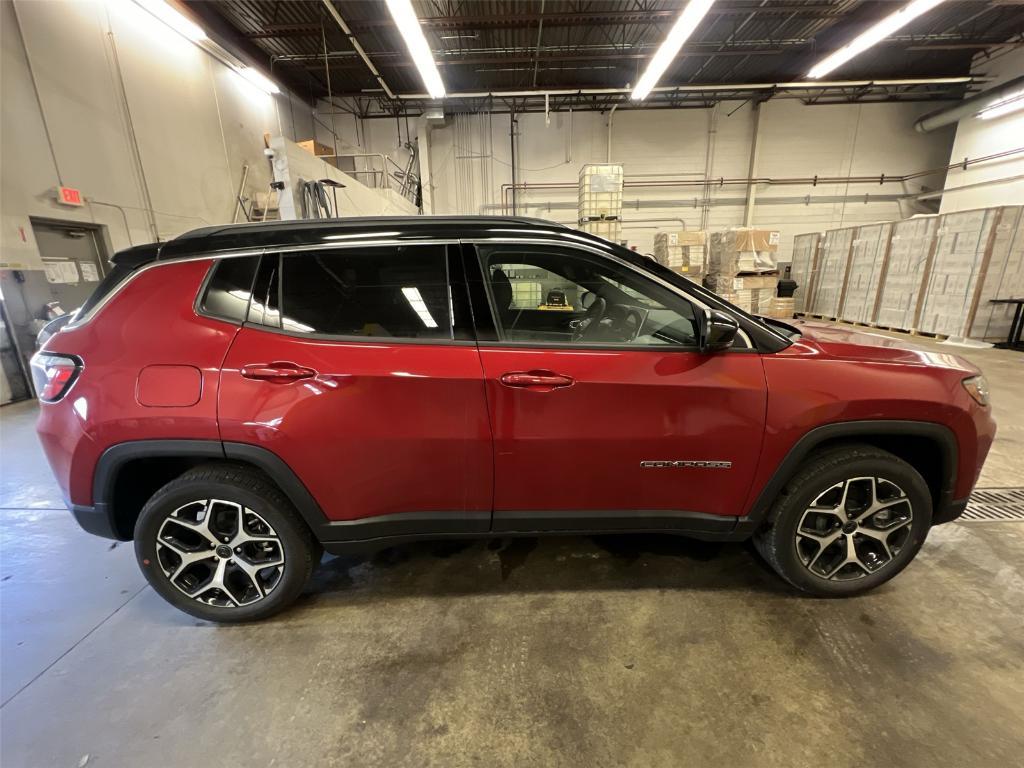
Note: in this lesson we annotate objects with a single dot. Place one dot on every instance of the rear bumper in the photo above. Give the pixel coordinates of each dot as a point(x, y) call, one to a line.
point(96, 520)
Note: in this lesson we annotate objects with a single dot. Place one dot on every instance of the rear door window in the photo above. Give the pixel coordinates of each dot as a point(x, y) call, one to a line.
point(387, 292)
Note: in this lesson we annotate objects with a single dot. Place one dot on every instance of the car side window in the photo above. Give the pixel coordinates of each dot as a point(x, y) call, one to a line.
point(398, 292)
point(230, 287)
point(563, 296)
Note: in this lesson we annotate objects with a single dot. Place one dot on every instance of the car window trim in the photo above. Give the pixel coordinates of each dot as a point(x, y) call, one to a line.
point(502, 342)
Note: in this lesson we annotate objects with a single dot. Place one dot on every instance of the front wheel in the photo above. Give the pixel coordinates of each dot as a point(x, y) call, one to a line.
point(850, 520)
point(222, 543)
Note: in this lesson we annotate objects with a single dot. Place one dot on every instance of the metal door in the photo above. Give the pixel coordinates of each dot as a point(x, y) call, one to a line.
point(74, 265)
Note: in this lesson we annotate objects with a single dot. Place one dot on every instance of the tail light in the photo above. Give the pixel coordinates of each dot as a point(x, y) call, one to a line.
point(53, 375)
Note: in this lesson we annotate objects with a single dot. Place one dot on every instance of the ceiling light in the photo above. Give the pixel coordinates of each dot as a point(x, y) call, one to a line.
point(258, 79)
point(1003, 106)
point(419, 306)
point(872, 36)
point(687, 22)
point(173, 19)
point(409, 27)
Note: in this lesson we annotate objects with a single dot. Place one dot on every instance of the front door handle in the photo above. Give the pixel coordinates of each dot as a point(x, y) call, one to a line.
point(543, 381)
point(277, 371)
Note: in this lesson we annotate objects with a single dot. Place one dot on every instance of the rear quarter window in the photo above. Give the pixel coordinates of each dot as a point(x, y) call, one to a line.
point(229, 288)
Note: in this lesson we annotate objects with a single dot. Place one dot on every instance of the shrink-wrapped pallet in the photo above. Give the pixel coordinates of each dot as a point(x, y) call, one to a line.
point(742, 249)
point(1004, 278)
point(910, 248)
point(868, 253)
point(804, 267)
point(974, 251)
point(833, 257)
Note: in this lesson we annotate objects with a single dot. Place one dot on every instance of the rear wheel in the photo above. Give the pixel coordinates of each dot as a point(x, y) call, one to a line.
point(223, 543)
point(849, 520)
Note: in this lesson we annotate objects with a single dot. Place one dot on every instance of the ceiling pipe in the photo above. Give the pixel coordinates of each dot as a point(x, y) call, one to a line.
point(358, 48)
point(968, 107)
point(611, 116)
point(809, 85)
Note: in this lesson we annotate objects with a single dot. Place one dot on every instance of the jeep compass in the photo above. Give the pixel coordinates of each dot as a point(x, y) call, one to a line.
point(243, 397)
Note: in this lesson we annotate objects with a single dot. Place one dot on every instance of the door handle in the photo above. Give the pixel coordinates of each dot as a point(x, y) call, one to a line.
point(538, 380)
point(277, 371)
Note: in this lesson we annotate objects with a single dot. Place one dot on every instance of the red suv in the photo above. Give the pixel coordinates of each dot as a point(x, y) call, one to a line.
point(242, 397)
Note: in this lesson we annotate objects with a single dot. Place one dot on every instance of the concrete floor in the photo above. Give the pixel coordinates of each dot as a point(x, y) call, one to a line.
point(577, 651)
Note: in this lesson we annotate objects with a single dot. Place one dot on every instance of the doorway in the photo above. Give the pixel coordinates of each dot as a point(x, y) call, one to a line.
point(74, 260)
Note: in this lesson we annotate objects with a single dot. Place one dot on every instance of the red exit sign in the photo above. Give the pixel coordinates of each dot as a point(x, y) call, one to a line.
point(69, 196)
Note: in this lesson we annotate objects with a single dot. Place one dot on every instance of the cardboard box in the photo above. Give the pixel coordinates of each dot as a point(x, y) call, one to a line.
point(681, 250)
point(757, 240)
point(315, 147)
point(727, 284)
point(742, 249)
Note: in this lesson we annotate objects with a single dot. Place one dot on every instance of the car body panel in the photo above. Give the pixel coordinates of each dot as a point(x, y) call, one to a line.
point(383, 428)
point(392, 430)
point(582, 447)
point(152, 322)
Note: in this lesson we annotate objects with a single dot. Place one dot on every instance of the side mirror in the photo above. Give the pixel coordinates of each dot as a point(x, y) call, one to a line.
point(718, 330)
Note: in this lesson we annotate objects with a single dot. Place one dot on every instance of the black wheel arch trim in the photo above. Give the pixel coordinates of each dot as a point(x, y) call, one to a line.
point(100, 519)
point(943, 437)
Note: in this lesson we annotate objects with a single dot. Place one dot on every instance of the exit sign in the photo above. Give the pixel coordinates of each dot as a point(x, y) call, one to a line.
point(69, 196)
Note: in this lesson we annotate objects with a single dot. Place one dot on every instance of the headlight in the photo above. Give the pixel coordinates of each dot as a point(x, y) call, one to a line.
point(977, 388)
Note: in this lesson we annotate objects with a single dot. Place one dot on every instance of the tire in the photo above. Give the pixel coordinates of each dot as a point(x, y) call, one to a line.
point(227, 521)
point(815, 520)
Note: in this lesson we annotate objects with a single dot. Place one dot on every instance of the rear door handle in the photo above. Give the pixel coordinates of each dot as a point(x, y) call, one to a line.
point(277, 371)
point(539, 380)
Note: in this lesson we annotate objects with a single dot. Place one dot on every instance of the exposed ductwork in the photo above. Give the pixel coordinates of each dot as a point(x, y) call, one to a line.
point(968, 106)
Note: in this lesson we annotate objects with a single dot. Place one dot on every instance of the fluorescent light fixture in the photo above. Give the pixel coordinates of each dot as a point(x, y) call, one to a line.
point(173, 19)
point(258, 79)
point(1003, 106)
point(419, 306)
point(687, 22)
point(409, 27)
point(872, 36)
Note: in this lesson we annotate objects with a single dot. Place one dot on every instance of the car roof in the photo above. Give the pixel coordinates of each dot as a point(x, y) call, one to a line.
point(277, 234)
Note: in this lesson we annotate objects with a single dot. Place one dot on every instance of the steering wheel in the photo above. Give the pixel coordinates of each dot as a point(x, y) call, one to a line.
point(628, 325)
point(590, 323)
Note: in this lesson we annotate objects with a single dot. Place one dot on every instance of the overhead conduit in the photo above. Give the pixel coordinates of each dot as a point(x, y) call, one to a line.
point(812, 181)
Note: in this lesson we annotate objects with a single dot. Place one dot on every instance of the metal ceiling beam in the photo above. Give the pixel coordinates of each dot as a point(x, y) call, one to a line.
point(333, 13)
point(313, 61)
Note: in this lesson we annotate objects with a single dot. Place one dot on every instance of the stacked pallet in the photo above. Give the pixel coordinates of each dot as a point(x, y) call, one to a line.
point(803, 267)
point(978, 255)
point(868, 253)
point(830, 280)
point(742, 268)
point(933, 275)
point(682, 251)
point(910, 248)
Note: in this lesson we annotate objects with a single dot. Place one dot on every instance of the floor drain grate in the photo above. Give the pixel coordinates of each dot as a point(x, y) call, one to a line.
point(995, 504)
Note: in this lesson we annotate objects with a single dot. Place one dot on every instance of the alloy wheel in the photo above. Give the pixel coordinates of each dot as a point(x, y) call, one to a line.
point(220, 553)
point(854, 529)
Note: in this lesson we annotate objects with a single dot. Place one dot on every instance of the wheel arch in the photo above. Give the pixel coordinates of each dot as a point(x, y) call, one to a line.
point(128, 474)
point(929, 447)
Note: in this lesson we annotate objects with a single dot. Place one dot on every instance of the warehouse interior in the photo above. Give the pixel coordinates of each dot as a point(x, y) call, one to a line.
point(877, 189)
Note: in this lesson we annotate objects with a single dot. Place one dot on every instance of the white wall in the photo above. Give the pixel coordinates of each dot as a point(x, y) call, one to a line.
point(471, 160)
point(195, 122)
point(976, 137)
